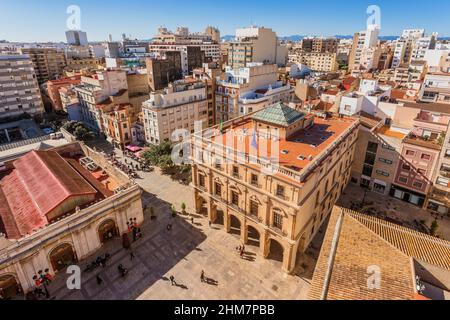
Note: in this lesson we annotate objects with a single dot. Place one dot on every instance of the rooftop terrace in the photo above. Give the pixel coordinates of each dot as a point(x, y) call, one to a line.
point(294, 157)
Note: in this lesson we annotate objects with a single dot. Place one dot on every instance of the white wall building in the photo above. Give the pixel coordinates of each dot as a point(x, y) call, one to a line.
point(255, 83)
point(366, 99)
point(256, 44)
point(178, 107)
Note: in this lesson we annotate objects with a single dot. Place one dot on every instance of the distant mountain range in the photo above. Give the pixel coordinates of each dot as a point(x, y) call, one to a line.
point(296, 38)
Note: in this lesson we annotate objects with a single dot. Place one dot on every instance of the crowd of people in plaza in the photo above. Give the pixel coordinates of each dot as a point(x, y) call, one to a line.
point(132, 164)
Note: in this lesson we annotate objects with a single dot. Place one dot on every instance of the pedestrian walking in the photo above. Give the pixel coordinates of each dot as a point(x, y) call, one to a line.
point(172, 280)
point(99, 280)
point(202, 276)
point(131, 256)
point(192, 220)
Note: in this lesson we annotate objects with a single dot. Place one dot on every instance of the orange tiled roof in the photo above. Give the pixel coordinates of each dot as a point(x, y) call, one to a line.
point(354, 243)
point(385, 130)
point(412, 243)
point(310, 142)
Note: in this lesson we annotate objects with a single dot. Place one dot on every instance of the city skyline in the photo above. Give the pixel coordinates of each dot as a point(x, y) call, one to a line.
point(42, 23)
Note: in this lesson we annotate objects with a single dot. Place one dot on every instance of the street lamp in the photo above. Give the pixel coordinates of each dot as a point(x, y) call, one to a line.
point(133, 227)
point(366, 190)
point(43, 279)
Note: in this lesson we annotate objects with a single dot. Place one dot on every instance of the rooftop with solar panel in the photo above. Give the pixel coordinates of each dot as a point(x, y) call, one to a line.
point(279, 134)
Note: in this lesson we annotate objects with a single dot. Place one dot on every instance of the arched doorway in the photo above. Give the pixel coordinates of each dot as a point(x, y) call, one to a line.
point(253, 236)
point(276, 252)
point(107, 231)
point(202, 207)
point(235, 225)
point(62, 256)
point(219, 217)
point(9, 287)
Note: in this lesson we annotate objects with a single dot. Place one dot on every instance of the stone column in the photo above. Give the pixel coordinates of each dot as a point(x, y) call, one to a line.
point(227, 222)
point(289, 258)
point(212, 211)
point(264, 245)
point(198, 206)
point(265, 211)
point(244, 232)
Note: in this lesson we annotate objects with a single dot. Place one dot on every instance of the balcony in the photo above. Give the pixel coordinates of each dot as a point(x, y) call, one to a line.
point(445, 173)
point(422, 142)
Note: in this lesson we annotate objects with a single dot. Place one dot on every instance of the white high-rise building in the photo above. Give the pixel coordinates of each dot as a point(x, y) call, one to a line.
point(412, 46)
point(19, 90)
point(76, 38)
point(364, 51)
point(255, 44)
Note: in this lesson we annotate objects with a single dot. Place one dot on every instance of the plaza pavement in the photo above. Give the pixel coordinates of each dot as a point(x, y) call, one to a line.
point(184, 252)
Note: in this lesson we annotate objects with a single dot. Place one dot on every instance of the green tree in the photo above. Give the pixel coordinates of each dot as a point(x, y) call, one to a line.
point(158, 154)
point(434, 228)
point(80, 132)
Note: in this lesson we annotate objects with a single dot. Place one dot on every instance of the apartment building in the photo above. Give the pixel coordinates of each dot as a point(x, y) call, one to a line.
point(419, 157)
point(138, 89)
point(439, 195)
point(209, 74)
point(164, 70)
point(105, 88)
point(49, 63)
point(364, 49)
point(244, 90)
point(59, 213)
point(86, 64)
point(385, 57)
point(436, 88)
point(213, 33)
point(182, 39)
point(53, 87)
point(319, 44)
point(444, 63)
point(422, 45)
point(19, 90)
point(366, 99)
point(76, 38)
point(408, 73)
point(77, 52)
point(273, 177)
point(255, 44)
point(376, 156)
point(316, 61)
point(177, 107)
point(412, 45)
point(117, 125)
point(70, 103)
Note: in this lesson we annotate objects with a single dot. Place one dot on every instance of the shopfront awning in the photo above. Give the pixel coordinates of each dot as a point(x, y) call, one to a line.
point(133, 148)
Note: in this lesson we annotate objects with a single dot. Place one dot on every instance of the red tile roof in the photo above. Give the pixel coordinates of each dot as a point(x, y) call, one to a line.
point(40, 182)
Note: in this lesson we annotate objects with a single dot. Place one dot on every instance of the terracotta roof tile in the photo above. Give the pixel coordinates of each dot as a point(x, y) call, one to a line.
point(40, 182)
point(354, 242)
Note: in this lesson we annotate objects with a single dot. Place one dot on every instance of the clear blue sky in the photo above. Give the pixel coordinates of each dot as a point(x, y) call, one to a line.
point(45, 20)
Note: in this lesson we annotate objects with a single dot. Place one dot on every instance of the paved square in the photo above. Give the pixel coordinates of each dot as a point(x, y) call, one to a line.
point(183, 253)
